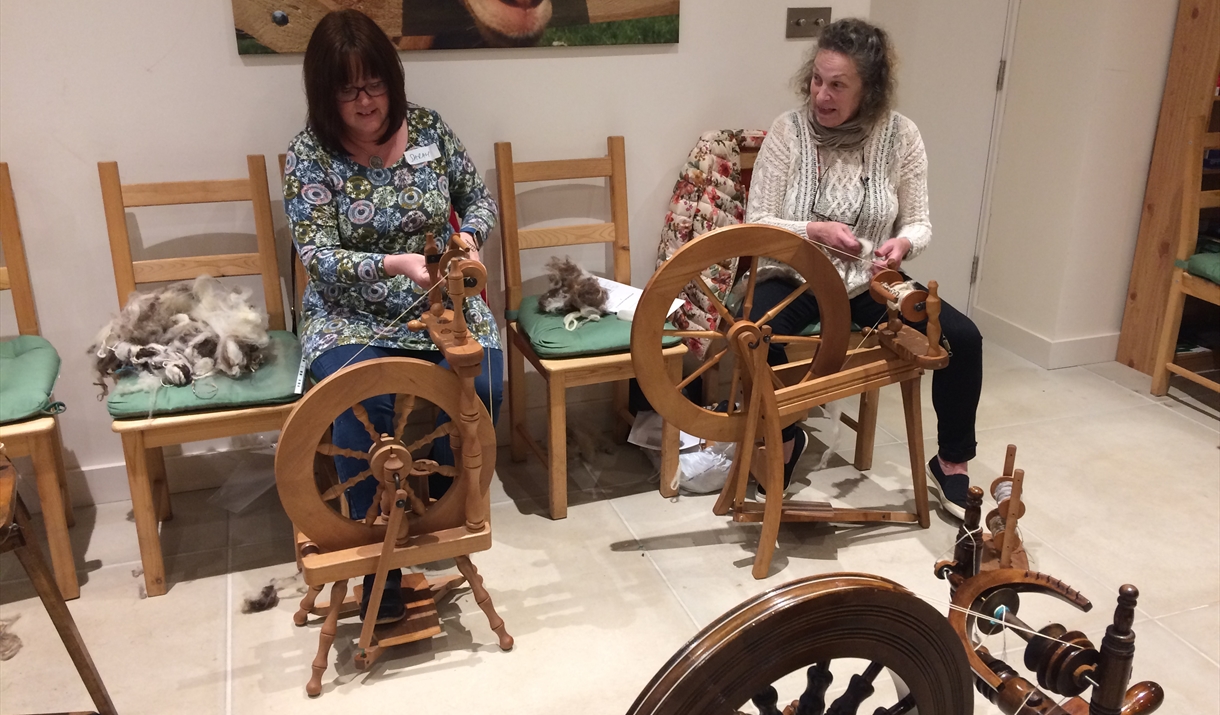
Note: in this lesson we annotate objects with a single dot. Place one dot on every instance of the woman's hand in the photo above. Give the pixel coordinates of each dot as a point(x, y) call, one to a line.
point(890, 254)
point(471, 246)
point(411, 265)
point(835, 235)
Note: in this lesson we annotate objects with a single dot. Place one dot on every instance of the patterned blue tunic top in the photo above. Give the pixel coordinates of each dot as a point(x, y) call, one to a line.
point(346, 217)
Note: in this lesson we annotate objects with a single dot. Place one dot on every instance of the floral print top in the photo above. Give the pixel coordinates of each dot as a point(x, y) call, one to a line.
point(346, 217)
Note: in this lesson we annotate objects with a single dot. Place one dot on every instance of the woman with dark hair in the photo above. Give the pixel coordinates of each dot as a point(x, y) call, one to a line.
point(364, 183)
point(850, 175)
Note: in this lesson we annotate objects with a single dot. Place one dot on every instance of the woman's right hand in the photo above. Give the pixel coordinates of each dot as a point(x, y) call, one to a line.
point(411, 265)
point(835, 235)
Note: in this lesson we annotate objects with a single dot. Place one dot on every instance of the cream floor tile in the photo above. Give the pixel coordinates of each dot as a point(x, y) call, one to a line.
point(563, 593)
point(155, 655)
point(1191, 681)
point(1200, 627)
point(1185, 397)
point(1015, 391)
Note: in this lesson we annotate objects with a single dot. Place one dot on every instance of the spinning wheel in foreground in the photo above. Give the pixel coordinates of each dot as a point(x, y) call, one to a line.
point(815, 622)
point(762, 399)
point(405, 526)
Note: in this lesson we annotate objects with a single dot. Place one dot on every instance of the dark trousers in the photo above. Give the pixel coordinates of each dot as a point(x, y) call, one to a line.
point(955, 388)
point(348, 433)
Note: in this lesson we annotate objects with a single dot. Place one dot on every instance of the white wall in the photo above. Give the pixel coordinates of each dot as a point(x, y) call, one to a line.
point(157, 85)
point(1084, 90)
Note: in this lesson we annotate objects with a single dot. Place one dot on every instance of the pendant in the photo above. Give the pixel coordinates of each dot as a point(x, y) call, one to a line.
point(375, 162)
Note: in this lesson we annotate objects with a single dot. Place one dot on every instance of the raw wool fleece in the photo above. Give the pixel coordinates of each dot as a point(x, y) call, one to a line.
point(710, 194)
point(574, 292)
point(182, 332)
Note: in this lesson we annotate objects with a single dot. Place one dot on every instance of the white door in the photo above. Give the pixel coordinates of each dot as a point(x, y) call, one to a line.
point(949, 55)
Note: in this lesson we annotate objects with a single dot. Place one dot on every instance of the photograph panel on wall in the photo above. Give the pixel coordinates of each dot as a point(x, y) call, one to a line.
point(284, 26)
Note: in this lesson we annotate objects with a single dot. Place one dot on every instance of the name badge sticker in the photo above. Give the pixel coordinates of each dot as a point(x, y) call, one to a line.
point(422, 154)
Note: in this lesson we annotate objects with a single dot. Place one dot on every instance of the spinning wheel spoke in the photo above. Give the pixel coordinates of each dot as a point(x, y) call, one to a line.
point(748, 305)
point(427, 466)
point(338, 489)
point(363, 416)
point(445, 429)
point(333, 451)
point(705, 334)
point(707, 365)
point(701, 283)
point(796, 293)
point(403, 406)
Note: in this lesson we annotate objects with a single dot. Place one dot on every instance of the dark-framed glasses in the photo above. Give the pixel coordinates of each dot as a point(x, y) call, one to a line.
point(375, 88)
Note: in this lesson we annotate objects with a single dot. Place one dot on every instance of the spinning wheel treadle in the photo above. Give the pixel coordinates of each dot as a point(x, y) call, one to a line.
point(765, 399)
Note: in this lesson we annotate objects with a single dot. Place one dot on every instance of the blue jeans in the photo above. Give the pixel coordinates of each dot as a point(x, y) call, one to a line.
point(350, 434)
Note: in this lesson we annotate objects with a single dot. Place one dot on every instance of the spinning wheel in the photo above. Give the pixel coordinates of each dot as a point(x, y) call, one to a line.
point(306, 434)
point(814, 622)
point(404, 526)
point(765, 399)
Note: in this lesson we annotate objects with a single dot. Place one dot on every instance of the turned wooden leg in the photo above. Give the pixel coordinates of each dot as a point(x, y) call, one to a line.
point(557, 445)
point(516, 399)
point(483, 598)
point(919, 475)
point(306, 607)
point(337, 593)
point(54, 514)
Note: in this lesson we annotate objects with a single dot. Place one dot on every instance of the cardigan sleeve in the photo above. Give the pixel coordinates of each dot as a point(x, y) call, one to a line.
point(769, 184)
point(313, 215)
point(912, 221)
point(468, 194)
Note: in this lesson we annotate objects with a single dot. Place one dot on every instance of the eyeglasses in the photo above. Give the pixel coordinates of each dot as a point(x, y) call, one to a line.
point(372, 89)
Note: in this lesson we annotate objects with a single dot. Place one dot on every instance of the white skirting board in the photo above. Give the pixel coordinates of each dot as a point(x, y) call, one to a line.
point(1042, 351)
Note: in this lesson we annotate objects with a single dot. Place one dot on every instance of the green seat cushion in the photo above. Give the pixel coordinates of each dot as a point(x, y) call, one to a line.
point(273, 383)
point(596, 337)
point(28, 368)
point(1205, 265)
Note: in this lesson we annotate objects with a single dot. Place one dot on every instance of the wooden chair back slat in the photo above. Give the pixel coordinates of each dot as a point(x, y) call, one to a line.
point(748, 157)
point(565, 235)
point(117, 198)
point(16, 272)
point(173, 193)
point(508, 174)
point(178, 269)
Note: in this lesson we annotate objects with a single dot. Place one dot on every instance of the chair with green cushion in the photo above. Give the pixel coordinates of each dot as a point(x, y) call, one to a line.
point(28, 368)
point(1196, 275)
point(211, 407)
point(596, 352)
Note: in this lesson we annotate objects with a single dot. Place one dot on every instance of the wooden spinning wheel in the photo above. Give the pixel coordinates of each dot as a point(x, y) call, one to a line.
point(813, 622)
point(772, 398)
point(404, 526)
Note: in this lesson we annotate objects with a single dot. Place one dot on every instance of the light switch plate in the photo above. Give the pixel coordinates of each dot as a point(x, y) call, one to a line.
point(806, 21)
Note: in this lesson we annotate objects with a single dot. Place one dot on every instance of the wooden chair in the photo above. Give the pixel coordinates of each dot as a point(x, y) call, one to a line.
point(143, 438)
point(560, 373)
point(1185, 282)
point(14, 527)
point(36, 436)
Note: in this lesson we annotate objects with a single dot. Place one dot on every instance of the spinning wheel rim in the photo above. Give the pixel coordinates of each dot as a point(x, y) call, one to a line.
point(314, 413)
point(687, 264)
point(819, 618)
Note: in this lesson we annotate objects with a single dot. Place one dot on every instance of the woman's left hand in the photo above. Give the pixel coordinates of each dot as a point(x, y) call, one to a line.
point(890, 254)
point(471, 246)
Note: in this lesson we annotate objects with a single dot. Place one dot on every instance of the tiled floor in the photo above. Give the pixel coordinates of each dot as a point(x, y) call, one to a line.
point(1121, 488)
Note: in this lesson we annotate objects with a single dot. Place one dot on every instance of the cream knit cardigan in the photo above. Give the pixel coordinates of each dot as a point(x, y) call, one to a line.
point(884, 183)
